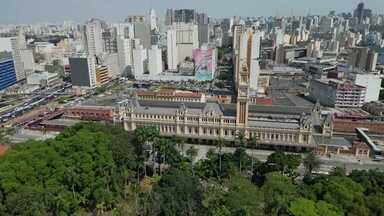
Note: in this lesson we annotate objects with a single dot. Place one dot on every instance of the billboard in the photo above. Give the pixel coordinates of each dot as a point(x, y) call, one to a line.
point(205, 63)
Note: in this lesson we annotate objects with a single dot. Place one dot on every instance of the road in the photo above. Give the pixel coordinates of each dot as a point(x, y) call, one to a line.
point(327, 164)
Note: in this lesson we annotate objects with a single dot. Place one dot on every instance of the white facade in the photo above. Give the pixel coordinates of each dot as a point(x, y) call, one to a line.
point(124, 51)
point(372, 83)
point(254, 64)
point(112, 62)
point(94, 38)
point(172, 55)
point(5, 44)
point(17, 59)
point(92, 71)
point(155, 64)
point(28, 59)
point(187, 39)
point(153, 20)
point(138, 61)
point(125, 30)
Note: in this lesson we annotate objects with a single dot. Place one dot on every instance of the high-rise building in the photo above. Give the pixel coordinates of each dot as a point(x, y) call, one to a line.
point(83, 71)
point(102, 76)
point(142, 30)
point(124, 30)
point(155, 64)
point(138, 61)
point(363, 58)
point(187, 39)
point(359, 12)
point(184, 16)
point(172, 55)
point(124, 50)
point(255, 47)
point(169, 17)
point(18, 43)
point(93, 32)
point(28, 60)
point(153, 20)
point(110, 42)
point(7, 73)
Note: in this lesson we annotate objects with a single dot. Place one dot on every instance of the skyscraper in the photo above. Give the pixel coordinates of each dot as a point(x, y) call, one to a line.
point(153, 20)
point(124, 50)
point(172, 55)
point(255, 47)
point(155, 65)
point(83, 71)
point(138, 61)
point(93, 31)
point(7, 73)
point(18, 43)
point(359, 12)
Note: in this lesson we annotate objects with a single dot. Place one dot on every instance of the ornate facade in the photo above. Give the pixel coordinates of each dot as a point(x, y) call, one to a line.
point(272, 126)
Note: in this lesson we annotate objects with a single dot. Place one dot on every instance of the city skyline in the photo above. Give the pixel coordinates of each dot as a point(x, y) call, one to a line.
point(28, 12)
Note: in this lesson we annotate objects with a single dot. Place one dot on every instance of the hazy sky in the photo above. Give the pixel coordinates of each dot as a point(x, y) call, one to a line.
point(32, 11)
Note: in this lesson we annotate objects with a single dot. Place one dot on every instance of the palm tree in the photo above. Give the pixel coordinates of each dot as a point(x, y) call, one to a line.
point(219, 146)
point(311, 162)
point(161, 147)
point(241, 139)
point(192, 153)
point(253, 141)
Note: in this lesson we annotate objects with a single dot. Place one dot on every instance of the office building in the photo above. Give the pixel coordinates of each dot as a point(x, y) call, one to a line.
point(83, 71)
point(124, 30)
point(337, 93)
point(363, 58)
point(110, 41)
point(124, 51)
point(7, 72)
point(43, 79)
point(172, 54)
point(372, 83)
point(93, 32)
point(255, 48)
point(169, 17)
point(141, 30)
point(28, 60)
point(184, 16)
point(187, 39)
point(153, 20)
point(139, 61)
point(155, 64)
point(102, 76)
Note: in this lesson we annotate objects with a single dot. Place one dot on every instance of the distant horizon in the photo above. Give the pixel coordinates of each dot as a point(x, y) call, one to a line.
point(26, 12)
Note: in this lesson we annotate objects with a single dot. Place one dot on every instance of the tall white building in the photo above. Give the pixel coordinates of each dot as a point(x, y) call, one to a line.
point(254, 64)
point(124, 51)
point(125, 30)
point(155, 64)
point(138, 61)
point(153, 20)
point(94, 37)
point(18, 43)
point(187, 39)
point(372, 82)
point(172, 55)
point(28, 60)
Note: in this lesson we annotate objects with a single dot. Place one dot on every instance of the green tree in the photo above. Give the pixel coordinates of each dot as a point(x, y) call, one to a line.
point(178, 193)
point(278, 193)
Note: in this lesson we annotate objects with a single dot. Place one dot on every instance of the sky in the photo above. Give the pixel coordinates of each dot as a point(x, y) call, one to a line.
point(33, 11)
